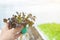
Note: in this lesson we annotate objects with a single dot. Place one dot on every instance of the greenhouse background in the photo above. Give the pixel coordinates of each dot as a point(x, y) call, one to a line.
point(47, 14)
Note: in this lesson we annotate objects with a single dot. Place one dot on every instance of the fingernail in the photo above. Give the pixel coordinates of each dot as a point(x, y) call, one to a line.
point(12, 28)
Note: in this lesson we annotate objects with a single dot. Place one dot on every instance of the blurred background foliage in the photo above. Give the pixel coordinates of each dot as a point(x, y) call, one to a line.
point(52, 30)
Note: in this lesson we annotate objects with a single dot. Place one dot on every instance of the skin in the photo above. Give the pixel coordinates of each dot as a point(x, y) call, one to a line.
point(10, 34)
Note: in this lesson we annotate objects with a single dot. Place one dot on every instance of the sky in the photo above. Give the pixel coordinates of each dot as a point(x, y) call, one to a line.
point(46, 11)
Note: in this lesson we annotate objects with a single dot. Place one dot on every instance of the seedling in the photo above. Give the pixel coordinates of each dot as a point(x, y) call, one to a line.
point(20, 19)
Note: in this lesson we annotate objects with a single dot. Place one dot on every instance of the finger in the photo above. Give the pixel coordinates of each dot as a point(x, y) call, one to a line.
point(15, 31)
point(18, 29)
point(11, 30)
point(17, 35)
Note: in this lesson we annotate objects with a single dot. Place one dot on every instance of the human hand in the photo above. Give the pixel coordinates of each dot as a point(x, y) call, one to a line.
point(10, 34)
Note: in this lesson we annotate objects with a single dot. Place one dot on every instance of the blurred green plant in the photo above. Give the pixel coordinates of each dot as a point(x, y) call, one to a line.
point(52, 30)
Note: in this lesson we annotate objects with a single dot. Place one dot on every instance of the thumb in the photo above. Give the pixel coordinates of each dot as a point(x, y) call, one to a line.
point(5, 28)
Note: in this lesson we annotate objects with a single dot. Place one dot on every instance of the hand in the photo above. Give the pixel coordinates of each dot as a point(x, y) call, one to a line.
point(10, 34)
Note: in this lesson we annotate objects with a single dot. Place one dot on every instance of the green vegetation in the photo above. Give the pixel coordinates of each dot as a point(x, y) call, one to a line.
point(52, 30)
